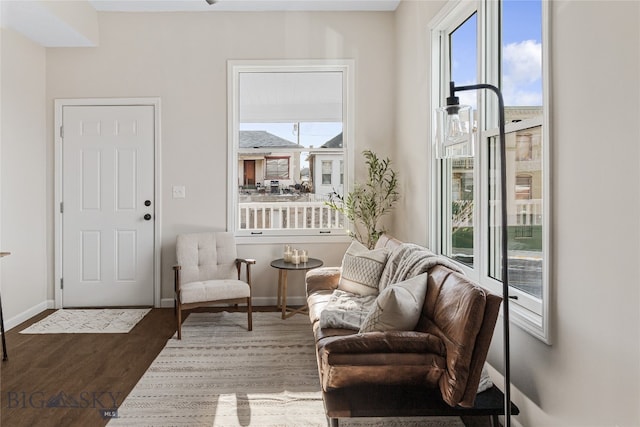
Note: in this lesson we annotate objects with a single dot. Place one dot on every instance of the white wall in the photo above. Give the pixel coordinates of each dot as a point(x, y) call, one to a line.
point(590, 375)
point(181, 58)
point(411, 154)
point(23, 178)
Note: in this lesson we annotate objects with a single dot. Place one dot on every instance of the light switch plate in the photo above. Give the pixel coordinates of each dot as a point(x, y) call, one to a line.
point(179, 192)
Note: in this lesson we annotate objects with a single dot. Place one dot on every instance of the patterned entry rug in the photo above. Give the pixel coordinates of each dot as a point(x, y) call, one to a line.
point(221, 375)
point(90, 321)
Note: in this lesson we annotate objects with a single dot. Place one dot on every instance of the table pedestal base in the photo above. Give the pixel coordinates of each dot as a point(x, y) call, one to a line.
point(282, 298)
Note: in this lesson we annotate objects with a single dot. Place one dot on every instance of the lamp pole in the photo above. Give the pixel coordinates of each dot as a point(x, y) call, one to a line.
point(504, 235)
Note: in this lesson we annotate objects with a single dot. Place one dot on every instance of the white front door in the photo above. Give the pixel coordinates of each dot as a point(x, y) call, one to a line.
point(108, 205)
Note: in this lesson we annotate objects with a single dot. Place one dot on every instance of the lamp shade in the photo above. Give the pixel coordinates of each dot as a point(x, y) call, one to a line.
point(454, 132)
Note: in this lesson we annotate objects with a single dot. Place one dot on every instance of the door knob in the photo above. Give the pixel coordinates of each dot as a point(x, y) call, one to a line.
point(147, 217)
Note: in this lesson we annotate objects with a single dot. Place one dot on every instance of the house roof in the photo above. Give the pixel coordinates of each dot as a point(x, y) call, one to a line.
point(260, 139)
point(335, 142)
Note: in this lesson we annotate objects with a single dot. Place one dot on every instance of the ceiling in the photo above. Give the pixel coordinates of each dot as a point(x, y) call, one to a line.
point(62, 23)
point(242, 5)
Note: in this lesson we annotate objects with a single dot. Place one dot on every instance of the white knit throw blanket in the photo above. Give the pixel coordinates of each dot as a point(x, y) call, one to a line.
point(346, 310)
point(409, 260)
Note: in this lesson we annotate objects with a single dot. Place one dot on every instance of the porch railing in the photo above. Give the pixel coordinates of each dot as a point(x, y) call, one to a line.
point(288, 215)
point(527, 213)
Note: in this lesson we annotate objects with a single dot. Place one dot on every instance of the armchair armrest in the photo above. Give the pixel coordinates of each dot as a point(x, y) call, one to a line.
point(385, 342)
point(248, 262)
point(322, 279)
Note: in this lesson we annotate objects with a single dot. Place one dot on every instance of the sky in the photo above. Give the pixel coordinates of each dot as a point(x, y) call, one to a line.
point(521, 54)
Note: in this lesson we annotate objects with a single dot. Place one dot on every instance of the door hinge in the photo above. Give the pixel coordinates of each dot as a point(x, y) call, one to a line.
point(61, 132)
point(61, 283)
point(61, 207)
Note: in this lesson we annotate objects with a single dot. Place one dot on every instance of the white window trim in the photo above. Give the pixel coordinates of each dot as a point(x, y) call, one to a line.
point(529, 313)
point(234, 68)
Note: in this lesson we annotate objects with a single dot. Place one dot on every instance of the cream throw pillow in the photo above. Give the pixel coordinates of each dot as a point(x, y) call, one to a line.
point(398, 307)
point(361, 269)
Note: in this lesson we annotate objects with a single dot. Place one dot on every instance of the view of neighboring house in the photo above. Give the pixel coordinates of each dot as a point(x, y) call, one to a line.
point(327, 167)
point(265, 164)
point(264, 168)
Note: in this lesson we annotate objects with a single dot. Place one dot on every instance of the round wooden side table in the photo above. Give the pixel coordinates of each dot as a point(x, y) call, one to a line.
point(284, 267)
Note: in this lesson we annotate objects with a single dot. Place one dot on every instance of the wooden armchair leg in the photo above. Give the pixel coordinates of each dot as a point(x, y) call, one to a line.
point(179, 318)
point(249, 315)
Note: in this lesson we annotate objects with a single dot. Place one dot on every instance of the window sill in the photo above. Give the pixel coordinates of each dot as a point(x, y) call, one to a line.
point(266, 239)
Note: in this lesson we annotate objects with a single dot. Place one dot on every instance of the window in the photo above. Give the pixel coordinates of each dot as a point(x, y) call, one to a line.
point(524, 147)
point(458, 196)
point(289, 129)
point(327, 167)
point(277, 167)
point(523, 187)
point(501, 43)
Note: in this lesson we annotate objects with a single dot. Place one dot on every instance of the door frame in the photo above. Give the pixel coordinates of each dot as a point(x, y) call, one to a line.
point(157, 164)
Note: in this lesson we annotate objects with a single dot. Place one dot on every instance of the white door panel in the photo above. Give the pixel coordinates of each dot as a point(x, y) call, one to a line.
point(107, 176)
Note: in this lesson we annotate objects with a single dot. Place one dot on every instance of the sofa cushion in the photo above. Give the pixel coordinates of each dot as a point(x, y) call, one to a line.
point(398, 307)
point(362, 268)
point(213, 290)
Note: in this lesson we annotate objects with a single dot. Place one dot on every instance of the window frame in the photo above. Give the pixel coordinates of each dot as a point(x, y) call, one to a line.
point(530, 313)
point(234, 69)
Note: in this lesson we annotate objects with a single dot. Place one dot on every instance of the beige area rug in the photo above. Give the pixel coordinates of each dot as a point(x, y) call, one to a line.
point(90, 321)
point(221, 375)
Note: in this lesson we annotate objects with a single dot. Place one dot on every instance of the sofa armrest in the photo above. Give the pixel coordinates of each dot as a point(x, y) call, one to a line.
point(384, 342)
point(463, 315)
point(322, 279)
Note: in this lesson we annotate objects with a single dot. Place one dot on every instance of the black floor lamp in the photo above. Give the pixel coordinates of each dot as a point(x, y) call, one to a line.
point(454, 138)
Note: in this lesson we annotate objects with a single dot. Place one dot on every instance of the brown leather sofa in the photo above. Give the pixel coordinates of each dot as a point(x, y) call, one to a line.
point(446, 351)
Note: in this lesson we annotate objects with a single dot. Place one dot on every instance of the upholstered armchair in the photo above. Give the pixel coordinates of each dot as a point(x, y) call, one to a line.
point(208, 272)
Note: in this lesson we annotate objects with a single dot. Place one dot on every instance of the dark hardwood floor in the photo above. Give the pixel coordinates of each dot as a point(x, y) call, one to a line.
point(73, 380)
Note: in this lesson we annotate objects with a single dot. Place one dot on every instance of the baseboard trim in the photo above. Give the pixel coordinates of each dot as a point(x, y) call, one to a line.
point(28, 314)
point(257, 301)
point(166, 303)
